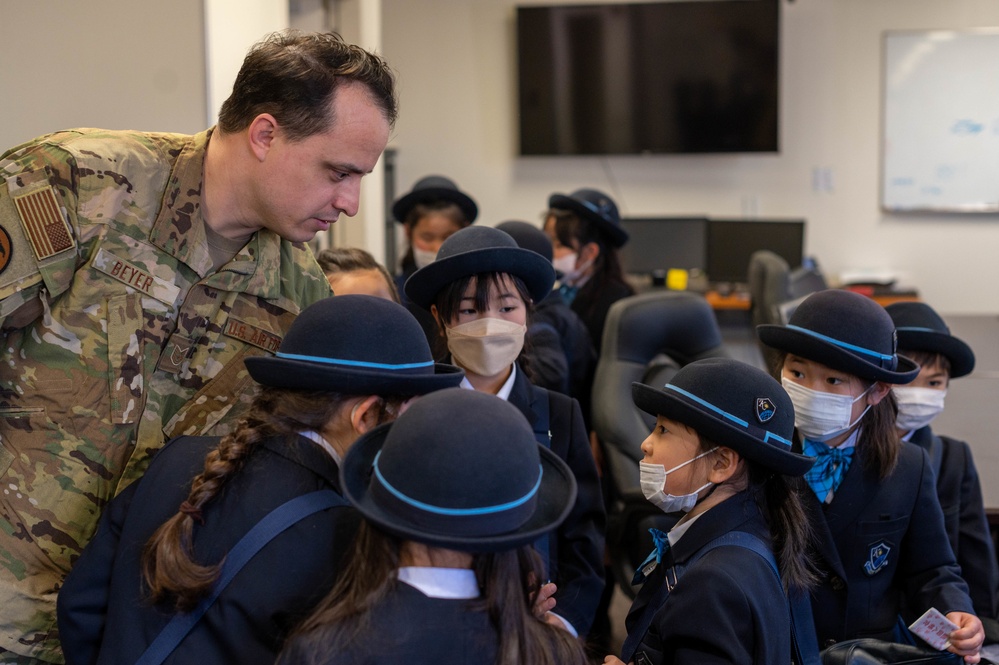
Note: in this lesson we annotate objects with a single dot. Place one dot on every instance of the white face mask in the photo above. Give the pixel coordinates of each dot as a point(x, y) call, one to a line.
point(819, 415)
point(422, 258)
point(653, 481)
point(571, 275)
point(917, 407)
point(486, 346)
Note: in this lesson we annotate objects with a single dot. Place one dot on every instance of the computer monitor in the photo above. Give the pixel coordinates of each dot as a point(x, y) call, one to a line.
point(732, 242)
point(661, 243)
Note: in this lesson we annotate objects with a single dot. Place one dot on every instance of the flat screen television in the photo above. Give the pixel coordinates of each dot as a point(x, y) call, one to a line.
point(661, 243)
point(690, 76)
point(732, 242)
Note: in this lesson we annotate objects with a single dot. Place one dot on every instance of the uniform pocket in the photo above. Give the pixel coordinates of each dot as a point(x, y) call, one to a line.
point(126, 387)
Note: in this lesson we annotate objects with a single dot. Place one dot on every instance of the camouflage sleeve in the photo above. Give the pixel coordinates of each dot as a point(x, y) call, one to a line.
point(38, 229)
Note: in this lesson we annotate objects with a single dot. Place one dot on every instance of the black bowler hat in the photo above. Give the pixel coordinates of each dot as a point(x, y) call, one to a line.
point(528, 236)
point(357, 345)
point(593, 206)
point(920, 328)
point(459, 469)
point(731, 404)
point(845, 331)
point(434, 188)
point(480, 249)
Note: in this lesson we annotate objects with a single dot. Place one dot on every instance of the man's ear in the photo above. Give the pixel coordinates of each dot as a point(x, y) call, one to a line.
point(365, 414)
point(261, 134)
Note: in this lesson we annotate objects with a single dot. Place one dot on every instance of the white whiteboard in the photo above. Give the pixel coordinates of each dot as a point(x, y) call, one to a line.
point(940, 126)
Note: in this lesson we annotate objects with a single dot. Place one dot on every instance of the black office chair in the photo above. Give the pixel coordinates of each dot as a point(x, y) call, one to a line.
point(647, 338)
point(769, 286)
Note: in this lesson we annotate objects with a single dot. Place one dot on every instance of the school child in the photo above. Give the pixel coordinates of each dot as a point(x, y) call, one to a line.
point(430, 213)
point(347, 364)
point(480, 291)
point(354, 270)
point(873, 502)
point(586, 232)
point(924, 336)
point(715, 586)
point(452, 493)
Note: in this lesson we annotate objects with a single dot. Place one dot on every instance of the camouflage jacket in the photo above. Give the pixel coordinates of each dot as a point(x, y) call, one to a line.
point(137, 340)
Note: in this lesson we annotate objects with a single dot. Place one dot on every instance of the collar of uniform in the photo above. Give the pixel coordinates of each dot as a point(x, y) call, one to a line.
point(450, 583)
point(179, 228)
point(304, 452)
point(729, 515)
point(505, 389)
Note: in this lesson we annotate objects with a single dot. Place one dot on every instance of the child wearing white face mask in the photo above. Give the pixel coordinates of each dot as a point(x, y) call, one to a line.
point(715, 586)
point(882, 544)
point(480, 291)
point(924, 337)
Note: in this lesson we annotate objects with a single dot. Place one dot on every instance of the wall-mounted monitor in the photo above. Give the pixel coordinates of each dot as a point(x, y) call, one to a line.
point(732, 242)
point(661, 243)
point(689, 76)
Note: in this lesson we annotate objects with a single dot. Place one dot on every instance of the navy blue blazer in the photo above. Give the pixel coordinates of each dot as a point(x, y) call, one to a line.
point(960, 494)
point(103, 595)
point(881, 541)
point(728, 607)
point(404, 627)
point(577, 550)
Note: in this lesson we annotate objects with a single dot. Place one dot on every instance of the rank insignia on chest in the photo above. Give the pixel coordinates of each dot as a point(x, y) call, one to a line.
point(877, 558)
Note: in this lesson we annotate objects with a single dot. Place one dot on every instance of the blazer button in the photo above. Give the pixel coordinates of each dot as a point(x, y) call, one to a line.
point(837, 584)
point(830, 642)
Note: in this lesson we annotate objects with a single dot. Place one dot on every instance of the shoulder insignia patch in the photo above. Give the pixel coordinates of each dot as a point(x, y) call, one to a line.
point(6, 249)
point(44, 224)
point(877, 558)
point(765, 409)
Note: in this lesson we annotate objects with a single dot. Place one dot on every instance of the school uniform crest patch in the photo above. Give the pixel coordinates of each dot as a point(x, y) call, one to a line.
point(877, 558)
point(765, 409)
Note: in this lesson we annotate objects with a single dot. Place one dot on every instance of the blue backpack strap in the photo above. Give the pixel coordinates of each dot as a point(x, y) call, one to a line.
point(272, 524)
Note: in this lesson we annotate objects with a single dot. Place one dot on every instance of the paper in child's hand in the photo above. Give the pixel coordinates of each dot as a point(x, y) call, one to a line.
point(934, 628)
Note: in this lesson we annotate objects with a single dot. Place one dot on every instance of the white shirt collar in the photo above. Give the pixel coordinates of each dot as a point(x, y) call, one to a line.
point(450, 583)
point(505, 389)
point(316, 437)
point(677, 532)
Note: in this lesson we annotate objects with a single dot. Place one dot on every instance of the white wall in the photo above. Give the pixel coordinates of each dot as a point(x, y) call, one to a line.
point(456, 65)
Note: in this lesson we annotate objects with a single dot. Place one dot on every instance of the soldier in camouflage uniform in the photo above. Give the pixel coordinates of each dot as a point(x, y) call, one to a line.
point(137, 271)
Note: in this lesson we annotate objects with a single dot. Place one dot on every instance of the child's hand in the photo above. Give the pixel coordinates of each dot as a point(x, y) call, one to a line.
point(614, 660)
point(543, 601)
point(969, 636)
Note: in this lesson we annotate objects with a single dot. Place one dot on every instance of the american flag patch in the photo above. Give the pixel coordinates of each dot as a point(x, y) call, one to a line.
point(43, 222)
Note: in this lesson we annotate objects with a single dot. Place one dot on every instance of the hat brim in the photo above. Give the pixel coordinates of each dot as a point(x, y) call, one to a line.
point(402, 206)
point(960, 355)
point(807, 346)
point(537, 274)
point(556, 498)
point(303, 375)
point(617, 235)
point(679, 408)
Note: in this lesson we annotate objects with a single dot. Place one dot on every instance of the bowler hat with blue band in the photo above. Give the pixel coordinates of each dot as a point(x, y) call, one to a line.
point(357, 345)
point(731, 404)
point(459, 469)
point(430, 189)
point(596, 207)
point(920, 328)
point(475, 250)
point(845, 331)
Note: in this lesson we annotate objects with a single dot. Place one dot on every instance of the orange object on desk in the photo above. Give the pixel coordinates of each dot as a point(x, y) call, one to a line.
point(735, 300)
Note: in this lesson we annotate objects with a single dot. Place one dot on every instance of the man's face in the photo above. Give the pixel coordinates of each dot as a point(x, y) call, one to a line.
point(306, 184)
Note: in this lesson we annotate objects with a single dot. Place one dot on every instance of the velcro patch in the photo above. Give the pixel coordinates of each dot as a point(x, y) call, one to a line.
point(136, 277)
point(44, 225)
point(258, 337)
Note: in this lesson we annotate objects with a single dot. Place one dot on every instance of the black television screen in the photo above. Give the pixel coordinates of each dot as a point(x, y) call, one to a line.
point(732, 242)
point(661, 243)
point(688, 76)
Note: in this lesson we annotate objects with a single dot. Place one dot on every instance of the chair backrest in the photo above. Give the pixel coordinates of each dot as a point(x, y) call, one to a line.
point(769, 286)
point(645, 338)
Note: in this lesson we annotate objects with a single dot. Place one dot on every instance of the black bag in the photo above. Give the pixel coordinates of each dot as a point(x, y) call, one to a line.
point(868, 651)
